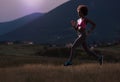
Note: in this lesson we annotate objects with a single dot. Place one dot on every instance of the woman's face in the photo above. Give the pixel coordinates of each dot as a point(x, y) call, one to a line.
point(80, 13)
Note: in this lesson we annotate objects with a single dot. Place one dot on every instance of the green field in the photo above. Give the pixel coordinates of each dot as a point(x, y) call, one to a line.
point(36, 63)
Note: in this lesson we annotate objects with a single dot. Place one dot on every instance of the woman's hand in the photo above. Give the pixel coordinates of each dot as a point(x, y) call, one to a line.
point(89, 32)
point(73, 23)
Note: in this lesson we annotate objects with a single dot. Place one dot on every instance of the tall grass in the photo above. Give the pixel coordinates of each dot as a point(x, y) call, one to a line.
point(52, 73)
point(35, 63)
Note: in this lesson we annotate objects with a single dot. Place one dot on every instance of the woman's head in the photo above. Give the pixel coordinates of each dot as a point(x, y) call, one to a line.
point(82, 10)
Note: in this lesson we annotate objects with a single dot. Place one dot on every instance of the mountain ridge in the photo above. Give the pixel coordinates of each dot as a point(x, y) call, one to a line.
point(17, 23)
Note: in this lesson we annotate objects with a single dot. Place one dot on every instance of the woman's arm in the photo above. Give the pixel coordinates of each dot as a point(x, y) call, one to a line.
point(74, 24)
point(93, 26)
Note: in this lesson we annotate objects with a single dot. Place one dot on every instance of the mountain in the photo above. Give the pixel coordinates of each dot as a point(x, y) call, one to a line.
point(6, 27)
point(54, 27)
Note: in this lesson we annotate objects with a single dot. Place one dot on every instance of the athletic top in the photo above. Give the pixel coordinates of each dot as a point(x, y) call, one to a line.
point(81, 26)
point(81, 23)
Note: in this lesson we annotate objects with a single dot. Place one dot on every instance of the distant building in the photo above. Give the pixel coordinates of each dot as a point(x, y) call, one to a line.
point(28, 42)
point(9, 43)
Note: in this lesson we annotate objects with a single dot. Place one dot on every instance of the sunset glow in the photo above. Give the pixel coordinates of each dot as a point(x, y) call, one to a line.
point(13, 9)
point(32, 3)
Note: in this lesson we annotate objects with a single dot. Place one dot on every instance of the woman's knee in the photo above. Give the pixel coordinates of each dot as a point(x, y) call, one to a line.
point(73, 47)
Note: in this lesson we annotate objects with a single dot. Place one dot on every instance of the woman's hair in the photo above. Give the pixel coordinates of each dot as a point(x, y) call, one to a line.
point(83, 9)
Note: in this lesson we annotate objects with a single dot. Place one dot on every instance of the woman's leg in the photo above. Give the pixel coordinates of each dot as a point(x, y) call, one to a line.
point(88, 51)
point(76, 43)
point(99, 57)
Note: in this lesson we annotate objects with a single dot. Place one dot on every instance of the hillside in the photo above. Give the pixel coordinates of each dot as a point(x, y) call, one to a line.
point(6, 27)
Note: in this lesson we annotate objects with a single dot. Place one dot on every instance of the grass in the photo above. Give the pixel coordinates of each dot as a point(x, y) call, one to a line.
point(36, 63)
point(52, 73)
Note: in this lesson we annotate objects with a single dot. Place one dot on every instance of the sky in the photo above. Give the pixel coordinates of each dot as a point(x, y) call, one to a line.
point(13, 9)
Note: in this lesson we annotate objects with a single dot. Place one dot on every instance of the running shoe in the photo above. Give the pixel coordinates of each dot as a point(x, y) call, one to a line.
point(100, 59)
point(67, 63)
